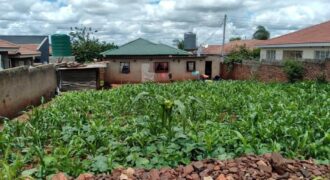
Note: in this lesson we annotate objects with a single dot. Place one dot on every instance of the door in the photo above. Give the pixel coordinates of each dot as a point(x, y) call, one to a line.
point(208, 68)
point(1, 66)
point(146, 74)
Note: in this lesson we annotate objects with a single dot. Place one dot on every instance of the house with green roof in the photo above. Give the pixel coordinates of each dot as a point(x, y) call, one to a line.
point(141, 60)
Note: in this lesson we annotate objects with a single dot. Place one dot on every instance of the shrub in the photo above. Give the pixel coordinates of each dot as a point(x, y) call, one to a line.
point(294, 70)
point(321, 78)
point(239, 54)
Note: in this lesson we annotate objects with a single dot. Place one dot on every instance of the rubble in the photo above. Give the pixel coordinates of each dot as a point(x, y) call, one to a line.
point(269, 166)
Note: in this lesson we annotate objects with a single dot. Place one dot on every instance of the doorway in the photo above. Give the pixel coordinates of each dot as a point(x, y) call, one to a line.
point(1, 66)
point(208, 68)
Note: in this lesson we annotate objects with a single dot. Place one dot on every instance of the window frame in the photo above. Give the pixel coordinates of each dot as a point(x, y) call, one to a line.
point(162, 71)
point(194, 66)
point(271, 54)
point(319, 52)
point(295, 53)
point(122, 67)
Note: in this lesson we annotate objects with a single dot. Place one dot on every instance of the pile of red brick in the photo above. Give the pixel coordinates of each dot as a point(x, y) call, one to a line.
point(268, 166)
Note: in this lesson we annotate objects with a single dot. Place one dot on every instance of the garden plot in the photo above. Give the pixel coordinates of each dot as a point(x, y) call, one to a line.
point(151, 126)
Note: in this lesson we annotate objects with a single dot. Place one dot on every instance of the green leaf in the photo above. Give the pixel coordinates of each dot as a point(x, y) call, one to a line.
point(100, 164)
point(141, 162)
point(29, 172)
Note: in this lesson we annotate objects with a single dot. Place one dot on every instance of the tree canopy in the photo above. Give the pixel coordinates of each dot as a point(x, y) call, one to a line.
point(235, 39)
point(261, 33)
point(179, 43)
point(86, 47)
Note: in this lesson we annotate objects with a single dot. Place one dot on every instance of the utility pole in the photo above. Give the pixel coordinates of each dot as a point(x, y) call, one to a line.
point(224, 35)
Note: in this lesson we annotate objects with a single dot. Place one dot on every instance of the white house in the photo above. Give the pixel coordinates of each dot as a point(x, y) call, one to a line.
point(309, 44)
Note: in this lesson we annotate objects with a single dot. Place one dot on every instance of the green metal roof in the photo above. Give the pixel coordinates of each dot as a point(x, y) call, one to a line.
point(140, 47)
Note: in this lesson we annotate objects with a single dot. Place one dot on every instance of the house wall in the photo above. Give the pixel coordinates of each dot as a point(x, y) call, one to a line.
point(16, 62)
point(5, 60)
point(23, 86)
point(308, 53)
point(272, 72)
point(215, 64)
point(177, 67)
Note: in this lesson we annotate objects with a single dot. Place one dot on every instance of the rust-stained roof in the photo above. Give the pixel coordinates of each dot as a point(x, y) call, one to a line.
point(7, 45)
point(314, 34)
point(29, 49)
point(26, 49)
point(230, 46)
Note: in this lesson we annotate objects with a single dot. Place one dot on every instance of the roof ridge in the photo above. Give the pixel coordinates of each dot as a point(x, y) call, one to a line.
point(183, 51)
point(135, 41)
point(308, 27)
point(142, 46)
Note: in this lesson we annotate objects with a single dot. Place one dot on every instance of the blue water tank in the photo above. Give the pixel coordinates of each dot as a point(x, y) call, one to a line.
point(190, 41)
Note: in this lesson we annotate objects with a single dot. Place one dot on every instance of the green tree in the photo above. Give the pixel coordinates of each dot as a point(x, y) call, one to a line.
point(239, 54)
point(179, 43)
point(235, 39)
point(86, 46)
point(261, 33)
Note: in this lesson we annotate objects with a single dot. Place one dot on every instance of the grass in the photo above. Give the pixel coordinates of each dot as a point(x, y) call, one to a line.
point(154, 125)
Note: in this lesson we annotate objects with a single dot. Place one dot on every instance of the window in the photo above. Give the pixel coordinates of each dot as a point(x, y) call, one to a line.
point(191, 66)
point(294, 55)
point(322, 55)
point(161, 67)
point(270, 55)
point(124, 67)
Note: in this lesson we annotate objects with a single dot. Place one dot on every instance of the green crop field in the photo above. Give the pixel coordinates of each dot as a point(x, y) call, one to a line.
point(153, 125)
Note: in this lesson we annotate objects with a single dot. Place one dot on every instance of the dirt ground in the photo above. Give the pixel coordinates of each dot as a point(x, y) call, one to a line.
point(25, 116)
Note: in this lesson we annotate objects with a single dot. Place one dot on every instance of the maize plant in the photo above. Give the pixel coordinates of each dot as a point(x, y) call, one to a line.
point(152, 126)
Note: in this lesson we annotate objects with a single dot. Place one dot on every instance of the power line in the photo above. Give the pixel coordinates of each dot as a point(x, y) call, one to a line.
point(207, 39)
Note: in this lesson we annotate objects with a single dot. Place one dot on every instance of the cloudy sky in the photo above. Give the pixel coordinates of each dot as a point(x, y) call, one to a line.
point(120, 21)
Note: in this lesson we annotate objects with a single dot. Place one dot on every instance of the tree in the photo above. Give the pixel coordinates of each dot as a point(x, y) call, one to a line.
point(179, 43)
point(261, 33)
point(86, 46)
point(239, 54)
point(235, 39)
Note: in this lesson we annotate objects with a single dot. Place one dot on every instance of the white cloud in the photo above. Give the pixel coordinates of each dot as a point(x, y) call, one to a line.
point(160, 20)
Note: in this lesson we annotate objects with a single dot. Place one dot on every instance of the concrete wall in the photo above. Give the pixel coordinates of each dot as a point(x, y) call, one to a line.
point(308, 53)
point(177, 67)
point(272, 72)
point(23, 86)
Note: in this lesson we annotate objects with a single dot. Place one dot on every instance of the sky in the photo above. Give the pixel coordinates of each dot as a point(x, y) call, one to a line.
point(160, 21)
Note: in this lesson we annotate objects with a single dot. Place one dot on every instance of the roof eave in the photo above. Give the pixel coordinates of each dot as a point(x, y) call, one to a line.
point(179, 54)
point(3, 49)
point(43, 41)
point(295, 45)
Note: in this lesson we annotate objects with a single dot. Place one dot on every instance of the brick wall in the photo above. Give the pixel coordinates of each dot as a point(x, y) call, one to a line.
point(271, 72)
